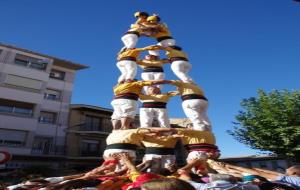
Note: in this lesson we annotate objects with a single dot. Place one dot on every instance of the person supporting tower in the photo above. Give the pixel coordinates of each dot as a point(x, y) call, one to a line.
point(131, 37)
point(127, 141)
point(180, 64)
point(194, 104)
point(159, 30)
point(161, 148)
point(199, 144)
point(127, 62)
point(125, 102)
point(152, 67)
point(154, 106)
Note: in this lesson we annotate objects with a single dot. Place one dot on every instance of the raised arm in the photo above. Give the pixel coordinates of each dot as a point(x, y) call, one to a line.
point(263, 173)
point(173, 93)
point(152, 47)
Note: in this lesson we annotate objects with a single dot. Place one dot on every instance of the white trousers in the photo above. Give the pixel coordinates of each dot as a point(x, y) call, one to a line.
point(110, 152)
point(165, 160)
point(153, 76)
point(123, 108)
point(181, 69)
point(130, 40)
point(128, 70)
point(195, 110)
point(167, 42)
point(147, 115)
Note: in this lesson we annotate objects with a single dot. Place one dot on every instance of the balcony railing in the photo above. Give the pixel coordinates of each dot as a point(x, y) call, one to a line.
point(55, 150)
point(15, 110)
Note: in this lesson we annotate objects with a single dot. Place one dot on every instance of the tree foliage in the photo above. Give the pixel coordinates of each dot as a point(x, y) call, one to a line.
point(270, 122)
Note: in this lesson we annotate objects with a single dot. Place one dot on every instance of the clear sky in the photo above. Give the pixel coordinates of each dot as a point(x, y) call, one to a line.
point(235, 46)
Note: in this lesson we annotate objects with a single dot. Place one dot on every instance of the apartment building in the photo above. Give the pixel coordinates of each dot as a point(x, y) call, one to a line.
point(88, 129)
point(35, 94)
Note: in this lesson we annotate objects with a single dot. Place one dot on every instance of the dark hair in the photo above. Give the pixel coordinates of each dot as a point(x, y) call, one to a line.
point(276, 186)
point(20, 188)
point(165, 172)
point(144, 14)
point(176, 47)
point(158, 18)
point(167, 184)
point(78, 183)
point(39, 180)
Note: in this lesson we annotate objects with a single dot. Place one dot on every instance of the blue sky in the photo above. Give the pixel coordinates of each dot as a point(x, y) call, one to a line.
point(235, 46)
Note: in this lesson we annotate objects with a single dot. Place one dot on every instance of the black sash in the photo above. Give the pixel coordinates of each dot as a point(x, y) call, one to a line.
point(163, 38)
point(193, 96)
point(130, 96)
point(153, 69)
point(160, 151)
point(154, 105)
point(126, 146)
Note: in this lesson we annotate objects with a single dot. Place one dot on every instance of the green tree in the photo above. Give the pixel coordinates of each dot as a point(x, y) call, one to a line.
point(270, 122)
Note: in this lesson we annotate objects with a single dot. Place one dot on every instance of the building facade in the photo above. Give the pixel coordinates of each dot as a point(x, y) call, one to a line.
point(88, 129)
point(35, 94)
point(274, 163)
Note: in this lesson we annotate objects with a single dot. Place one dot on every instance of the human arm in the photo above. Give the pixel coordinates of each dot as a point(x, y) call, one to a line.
point(127, 161)
point(152, 47)
point(263, 173)
point(173, 93)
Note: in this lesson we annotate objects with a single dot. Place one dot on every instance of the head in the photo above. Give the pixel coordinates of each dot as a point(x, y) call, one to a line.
point(167, 184)
point(150, 57)
point(293, 171)
point(153, 90)
point(254, 179)
point(171, 167)
point(142, 15)
point(79, 183)
point(176, 48)
point(222, 177)
point(154, 19)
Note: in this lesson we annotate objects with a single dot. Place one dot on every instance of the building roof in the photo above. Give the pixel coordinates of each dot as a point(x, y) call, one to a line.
point(57, 61)
point(251, 158)
point(90, 107)
point(182, 122)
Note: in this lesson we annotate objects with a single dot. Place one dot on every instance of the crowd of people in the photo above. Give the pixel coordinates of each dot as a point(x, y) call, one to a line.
point(158, 169)
point(197, 174)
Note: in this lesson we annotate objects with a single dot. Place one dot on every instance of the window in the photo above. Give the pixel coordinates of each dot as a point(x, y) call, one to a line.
point(47, 117)
point(22, 82)
point(30, 62)
point(92, 123)
point(12, 138)
point(52, 94)
point(263, 165)
point(42, 145)
point(60, 75)
point(274, 165)
point(90, 148)
point(16, 108)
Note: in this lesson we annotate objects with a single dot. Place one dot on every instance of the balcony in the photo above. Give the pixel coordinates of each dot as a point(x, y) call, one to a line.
point(22, 70)
point(20, 95)
point(52, 150)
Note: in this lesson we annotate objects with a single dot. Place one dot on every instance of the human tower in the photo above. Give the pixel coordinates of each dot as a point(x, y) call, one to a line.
point(159, 141)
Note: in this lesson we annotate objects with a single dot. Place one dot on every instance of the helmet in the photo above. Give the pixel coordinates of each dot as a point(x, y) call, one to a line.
point(153, 18)
point(138, 14)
